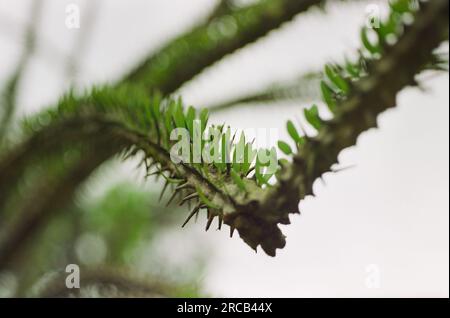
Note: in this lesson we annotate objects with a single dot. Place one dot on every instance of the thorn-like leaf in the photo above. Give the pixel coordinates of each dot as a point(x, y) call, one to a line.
point(219, 227)
point(232, 228)
point(192, 213)
point(166, 183)
point(189, 197)
point(210, 219)
point(171, 198)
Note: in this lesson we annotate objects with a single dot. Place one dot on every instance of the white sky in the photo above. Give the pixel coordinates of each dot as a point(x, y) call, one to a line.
point(391, 210)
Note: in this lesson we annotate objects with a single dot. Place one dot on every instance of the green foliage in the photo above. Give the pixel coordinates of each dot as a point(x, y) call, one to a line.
point(302, 88)
point(372, 48)
point(124, 217)
point(284, 147)
point(337, 79)
point(340, 78)
point(228, 196)
point(312, 116)
point(244, 194)
point(328, 96)
point(294, 133)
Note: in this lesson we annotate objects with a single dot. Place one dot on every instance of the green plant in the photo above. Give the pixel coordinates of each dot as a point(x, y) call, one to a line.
point(135, 117)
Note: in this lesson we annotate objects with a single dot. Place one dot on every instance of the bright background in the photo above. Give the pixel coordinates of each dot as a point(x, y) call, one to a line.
point(387, 217)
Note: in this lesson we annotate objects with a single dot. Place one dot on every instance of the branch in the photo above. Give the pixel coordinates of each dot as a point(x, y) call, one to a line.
point(305, 87)
point(245, 201)
point(353, 114)
point(186, 56)
point(119, 124)
point(253, 22)
point(52, 195)
point(8, 95)
point(55, 138)
point(105, 277)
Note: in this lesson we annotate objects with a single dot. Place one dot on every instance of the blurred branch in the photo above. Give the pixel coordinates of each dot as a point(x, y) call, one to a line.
point(9, 93)
point(303, 88)
point(189, 54)
point(124, 283)
point(55, 138)
point(124, 217)
point(222, 8)
point(52, 194)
